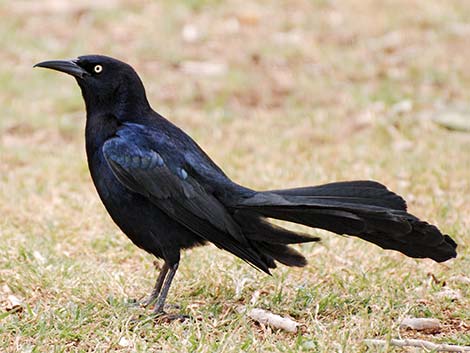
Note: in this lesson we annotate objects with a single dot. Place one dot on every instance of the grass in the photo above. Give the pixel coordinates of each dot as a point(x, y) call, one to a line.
point(314, 91)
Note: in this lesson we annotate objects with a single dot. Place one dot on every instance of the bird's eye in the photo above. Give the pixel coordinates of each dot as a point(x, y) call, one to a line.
point(98, 69)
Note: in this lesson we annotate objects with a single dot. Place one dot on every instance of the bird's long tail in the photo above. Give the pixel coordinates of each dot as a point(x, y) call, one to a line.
point(364, 209)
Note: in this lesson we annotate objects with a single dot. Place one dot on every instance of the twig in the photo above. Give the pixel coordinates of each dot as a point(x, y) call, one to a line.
point(420, 344)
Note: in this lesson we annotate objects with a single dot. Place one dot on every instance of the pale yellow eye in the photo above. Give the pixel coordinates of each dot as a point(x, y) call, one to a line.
point(98, 68)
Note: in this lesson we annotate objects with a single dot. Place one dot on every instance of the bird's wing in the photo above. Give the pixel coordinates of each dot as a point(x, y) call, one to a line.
point(168, 183)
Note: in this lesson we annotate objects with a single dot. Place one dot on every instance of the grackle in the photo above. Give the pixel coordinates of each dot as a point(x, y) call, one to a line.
point(166, 194)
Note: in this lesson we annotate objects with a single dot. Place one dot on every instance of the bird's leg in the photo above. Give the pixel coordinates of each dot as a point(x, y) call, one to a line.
point(164, 290)
point(158, 286)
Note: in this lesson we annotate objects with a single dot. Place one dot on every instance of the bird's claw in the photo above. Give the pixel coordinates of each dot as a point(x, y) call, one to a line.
point(164, 317)
point(145, 303)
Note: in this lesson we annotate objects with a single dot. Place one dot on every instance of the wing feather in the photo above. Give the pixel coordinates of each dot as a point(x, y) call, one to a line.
point(178, 193)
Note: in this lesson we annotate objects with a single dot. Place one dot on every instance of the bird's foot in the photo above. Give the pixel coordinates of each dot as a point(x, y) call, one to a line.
point(148, 302)
point(139, 303)
point(164, 317)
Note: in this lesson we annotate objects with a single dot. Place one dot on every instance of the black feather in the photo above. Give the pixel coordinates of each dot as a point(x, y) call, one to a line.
point(364, 209)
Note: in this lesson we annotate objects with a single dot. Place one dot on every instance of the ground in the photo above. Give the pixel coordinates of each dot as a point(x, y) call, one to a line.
point(280, 94)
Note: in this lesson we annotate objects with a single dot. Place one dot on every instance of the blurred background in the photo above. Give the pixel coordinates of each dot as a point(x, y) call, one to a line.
point(280, 93)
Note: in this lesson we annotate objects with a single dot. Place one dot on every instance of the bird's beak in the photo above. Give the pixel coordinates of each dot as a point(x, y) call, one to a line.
point(68, 66)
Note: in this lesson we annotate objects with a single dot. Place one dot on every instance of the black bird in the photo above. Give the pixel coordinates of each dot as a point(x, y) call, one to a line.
point(166, 194)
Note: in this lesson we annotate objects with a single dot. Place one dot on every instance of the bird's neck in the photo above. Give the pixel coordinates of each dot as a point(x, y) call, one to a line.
point(125, 110)
point(131, 105)
point(126, 103)
point(99, 128)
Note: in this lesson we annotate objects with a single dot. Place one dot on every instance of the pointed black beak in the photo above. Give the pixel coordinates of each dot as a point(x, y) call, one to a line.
point(68, 66)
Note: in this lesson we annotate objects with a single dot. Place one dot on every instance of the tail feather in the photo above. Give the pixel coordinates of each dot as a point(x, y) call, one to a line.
point(282, 253)
point(318, 218)
point(271, 240)
point(355, 192)
point(258, 229)
point(365, 209)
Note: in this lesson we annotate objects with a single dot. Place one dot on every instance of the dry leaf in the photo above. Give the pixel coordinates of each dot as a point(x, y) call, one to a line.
point(457, 120)
point(420, 324)
point(267, 318)
point(13, 303)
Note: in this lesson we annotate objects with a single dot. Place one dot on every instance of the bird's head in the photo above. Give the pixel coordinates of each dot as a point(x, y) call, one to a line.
point(109, 86)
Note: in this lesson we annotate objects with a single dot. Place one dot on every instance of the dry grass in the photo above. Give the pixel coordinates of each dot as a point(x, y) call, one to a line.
point(301, 92)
